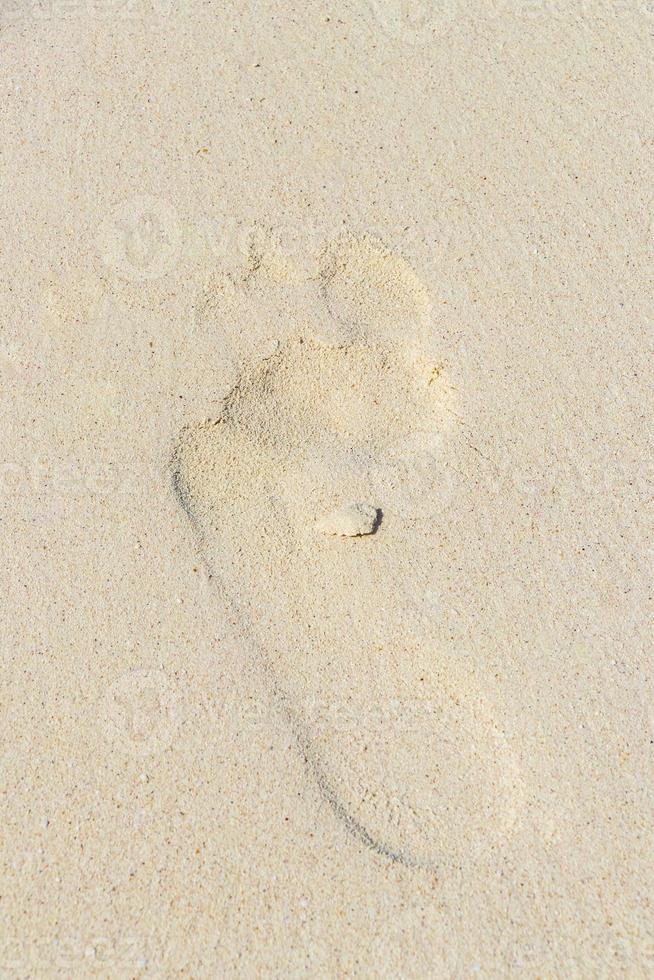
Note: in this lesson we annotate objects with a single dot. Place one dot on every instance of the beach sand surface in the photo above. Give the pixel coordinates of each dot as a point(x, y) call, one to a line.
point(326, 357)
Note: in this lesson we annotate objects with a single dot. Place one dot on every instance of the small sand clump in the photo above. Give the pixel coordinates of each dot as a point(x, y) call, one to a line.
point(350, 521)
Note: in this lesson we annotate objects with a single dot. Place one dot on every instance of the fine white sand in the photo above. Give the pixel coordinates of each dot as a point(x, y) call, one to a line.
point(327, 489)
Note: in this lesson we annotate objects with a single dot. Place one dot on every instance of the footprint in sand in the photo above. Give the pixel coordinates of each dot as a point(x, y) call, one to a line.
point(316, 535)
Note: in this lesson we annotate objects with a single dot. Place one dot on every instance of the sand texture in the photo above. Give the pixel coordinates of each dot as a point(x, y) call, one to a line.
point(327, 367)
